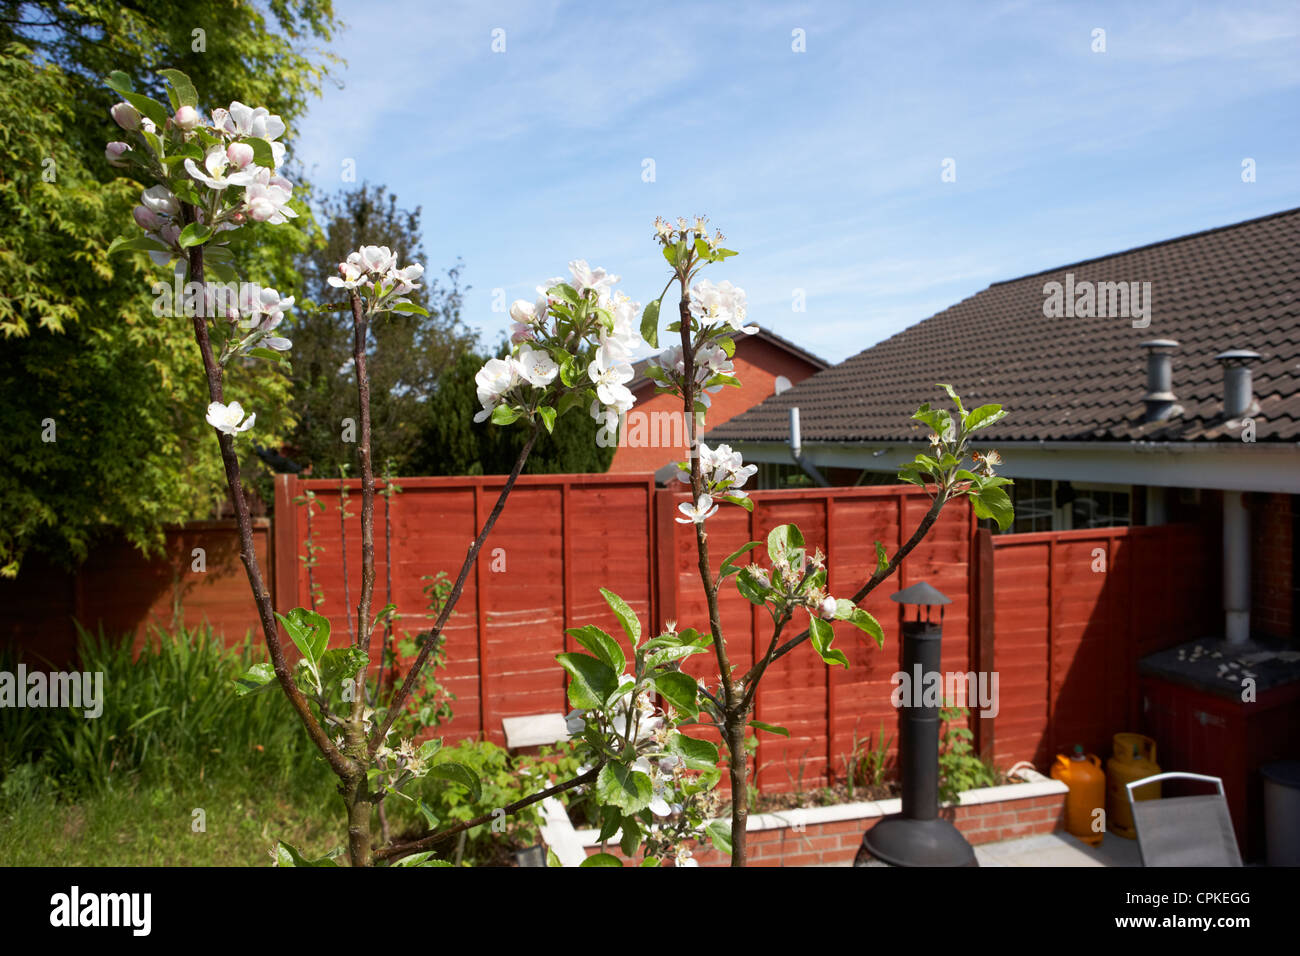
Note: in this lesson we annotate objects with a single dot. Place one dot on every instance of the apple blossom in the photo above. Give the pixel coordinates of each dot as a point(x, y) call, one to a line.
point(698, 512)
point(610, 373)
point(585, 277)
point(239, 154)
point(536, 367)
point(187, 118)
point(146, 218)
point(241, 120)
point(161, 200)
point(226, 418)
point(352, 276)
point(114, 152)
point(125, 115)
point(212, 174)
point(720, 304)
point(267, 203)
point(826, 610)
point(494, 380)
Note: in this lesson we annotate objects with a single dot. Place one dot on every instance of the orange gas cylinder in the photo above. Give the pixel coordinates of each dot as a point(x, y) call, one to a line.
point(1134, 759)
point(1083, 775)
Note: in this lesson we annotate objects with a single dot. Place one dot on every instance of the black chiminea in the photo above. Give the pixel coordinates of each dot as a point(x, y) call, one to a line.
point(917, 836)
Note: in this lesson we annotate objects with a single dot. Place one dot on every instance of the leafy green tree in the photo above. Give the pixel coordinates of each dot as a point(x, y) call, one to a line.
point(409, 353)
point(103, 426)
point(452, 443)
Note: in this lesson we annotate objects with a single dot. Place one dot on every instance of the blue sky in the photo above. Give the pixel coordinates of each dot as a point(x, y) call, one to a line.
point(822, 167)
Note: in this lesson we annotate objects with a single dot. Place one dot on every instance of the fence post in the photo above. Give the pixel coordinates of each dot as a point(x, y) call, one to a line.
point(284, 543)
point(982, 631)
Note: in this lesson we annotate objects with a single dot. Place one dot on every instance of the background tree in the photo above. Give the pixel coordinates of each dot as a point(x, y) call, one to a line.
point(82, 347)
point(410, 353)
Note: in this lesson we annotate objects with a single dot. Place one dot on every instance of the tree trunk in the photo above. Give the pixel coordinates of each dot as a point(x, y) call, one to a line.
point(739, 768)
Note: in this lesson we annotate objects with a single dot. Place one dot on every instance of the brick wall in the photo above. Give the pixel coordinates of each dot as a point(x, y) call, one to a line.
point(836, 842)
point(1272, 564)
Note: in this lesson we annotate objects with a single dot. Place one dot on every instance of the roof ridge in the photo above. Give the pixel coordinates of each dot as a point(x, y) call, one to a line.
point(1149, 245)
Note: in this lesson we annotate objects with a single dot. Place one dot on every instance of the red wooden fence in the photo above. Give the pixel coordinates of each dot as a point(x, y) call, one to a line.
point(1063, 637)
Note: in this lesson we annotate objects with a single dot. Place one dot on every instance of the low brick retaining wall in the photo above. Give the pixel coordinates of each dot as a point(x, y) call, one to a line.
point(831, 836)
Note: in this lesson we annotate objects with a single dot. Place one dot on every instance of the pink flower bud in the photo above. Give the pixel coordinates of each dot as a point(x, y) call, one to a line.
point(146, 218)
point(187, 118)
point(113, 152)
point(240, 154)
point(125, 115)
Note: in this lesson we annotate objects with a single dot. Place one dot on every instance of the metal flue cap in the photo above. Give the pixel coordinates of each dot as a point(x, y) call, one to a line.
point(922, 592)
point(1236, 356)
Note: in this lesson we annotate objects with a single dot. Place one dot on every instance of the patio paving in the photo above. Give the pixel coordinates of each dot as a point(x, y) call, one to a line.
point(1059, 849)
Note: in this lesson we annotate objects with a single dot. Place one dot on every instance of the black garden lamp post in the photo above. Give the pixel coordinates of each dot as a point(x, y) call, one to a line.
point(917, 836)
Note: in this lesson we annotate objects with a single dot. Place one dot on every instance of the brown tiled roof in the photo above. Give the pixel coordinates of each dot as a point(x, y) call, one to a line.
point(767, 335)
point(1078, 379)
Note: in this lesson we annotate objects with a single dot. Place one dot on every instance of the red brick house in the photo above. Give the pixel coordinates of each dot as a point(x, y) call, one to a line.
point(653, 434)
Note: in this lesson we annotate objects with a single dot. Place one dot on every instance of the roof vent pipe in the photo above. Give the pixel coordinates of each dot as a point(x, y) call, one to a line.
point(1238, 389)
point(796, 450)
point(1159, 398)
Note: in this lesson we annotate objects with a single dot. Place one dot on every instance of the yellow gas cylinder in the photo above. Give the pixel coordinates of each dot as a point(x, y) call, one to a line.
point(1082, 773)
point(1134, 758)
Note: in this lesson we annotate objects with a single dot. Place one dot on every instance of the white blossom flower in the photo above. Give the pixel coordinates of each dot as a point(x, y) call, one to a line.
point(536, 367)
point(494, 379)
point(161, 200)
point(241, 120)
point(683, 857)
point(352, 276)
point(125, 115)
point(212, 173)
point(610, 375)
point(720, 304)
point(826, 610)
point(698, 512)
point(114, 152)
point(585, 277)
point(226, 418)
point(268, 202)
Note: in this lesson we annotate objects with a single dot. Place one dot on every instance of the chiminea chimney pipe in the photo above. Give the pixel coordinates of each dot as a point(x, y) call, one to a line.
point(1238, 387)
point(1160, 397)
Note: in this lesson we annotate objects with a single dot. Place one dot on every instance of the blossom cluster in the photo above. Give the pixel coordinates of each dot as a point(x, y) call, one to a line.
point(570, 324)
point(218, 155)
point(724, 473)
point(721, 305)
point(374, 270)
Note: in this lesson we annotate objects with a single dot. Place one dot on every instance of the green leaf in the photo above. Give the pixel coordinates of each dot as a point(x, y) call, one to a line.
point(551, 858)
point(631, 839)
point(421, 859)
point(984, 416)
point(750, 588)
point(669, 654)
point(729, 566)
point(118, 82)
point(186, 95)
point(747, 503)
point(271, 355)
point(680, 690)
point(670, 253)
point(782, 539)
point(147, 107)
point(955, 400)
point(620, 786)
point(650, 323)
point(992, 502)
point(460, 774)
point(548, 417)
point(698, 754)
point(504, 415)
point(720, 836)
point(625, 615)
point(254, 680)
point(195, 234)
point(611, 820)
point(409, 308)
point(865, 622)
point(262, 154)
point(770, 728)
point(593, 680)
point(310, 631)
point(288, 855)
point(821, 636)
point(882, 559)
point(728, 345)
point(340, 664)
point(650, 861)
point(601, 644)
point(601, 859)
point(138, 244)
